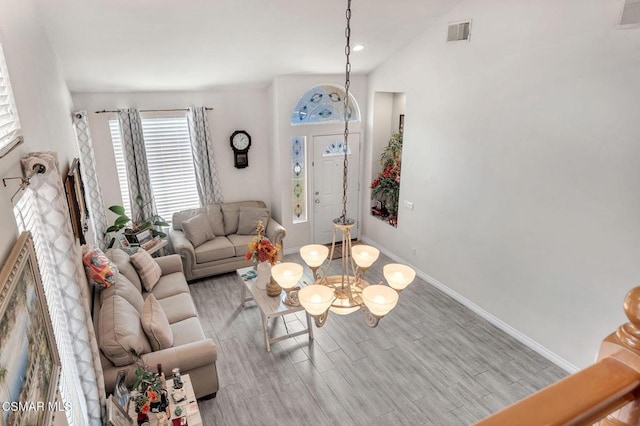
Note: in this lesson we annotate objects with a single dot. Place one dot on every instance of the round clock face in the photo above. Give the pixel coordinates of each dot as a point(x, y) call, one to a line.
point(241, 141)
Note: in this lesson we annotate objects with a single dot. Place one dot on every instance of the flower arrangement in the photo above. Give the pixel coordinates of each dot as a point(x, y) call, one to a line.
point(148, 385)
point(143, 402)
point(261, 249)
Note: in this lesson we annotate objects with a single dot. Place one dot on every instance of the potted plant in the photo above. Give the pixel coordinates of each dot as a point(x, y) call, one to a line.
point(386, 187)
point(132, 227)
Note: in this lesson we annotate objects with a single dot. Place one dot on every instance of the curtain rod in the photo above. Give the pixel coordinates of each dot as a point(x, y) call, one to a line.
point(154, 110)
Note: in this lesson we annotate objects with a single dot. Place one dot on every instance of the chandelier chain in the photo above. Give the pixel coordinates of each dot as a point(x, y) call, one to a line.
point(347, 83)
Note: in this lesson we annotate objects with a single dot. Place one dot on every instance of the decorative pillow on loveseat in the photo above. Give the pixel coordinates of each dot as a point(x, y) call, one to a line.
point(249, 218)
point(198, 230)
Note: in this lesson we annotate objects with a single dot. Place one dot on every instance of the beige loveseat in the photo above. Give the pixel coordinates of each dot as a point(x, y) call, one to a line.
point(117, 316)
point(216, 241)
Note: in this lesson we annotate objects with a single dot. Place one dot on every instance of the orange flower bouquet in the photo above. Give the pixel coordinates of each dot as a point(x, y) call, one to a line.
point(261, 249)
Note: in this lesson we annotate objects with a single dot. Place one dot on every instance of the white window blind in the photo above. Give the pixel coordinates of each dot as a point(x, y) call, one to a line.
point(170, 162)
point(10, 132)
point(114, 128)
point(69, 385)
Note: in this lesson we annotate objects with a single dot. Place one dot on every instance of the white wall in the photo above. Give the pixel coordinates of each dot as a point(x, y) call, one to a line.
point(287, 90)
point(42, 99)
point(233, 109)
point(521, 153)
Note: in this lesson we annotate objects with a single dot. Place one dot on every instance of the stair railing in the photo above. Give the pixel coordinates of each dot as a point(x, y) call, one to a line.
point(607, 391)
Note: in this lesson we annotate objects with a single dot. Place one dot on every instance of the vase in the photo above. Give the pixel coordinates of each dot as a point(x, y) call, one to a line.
point(263, 276)
point(273, 289)
point(143, 419)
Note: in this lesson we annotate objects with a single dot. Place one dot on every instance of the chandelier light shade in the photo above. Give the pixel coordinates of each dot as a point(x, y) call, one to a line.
point(398, 276)
point(380, 299)
point(347, 291)
point(287, 275)
point(316, 299)
point(314, 255)
point(364, 256)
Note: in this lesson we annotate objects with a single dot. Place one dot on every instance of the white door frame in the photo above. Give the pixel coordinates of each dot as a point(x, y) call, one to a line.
point(319, 235)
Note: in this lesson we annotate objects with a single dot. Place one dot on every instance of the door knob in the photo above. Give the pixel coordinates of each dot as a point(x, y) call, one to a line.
point(317, 201)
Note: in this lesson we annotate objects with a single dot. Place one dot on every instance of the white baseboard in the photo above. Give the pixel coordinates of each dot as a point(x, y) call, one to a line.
point(530, 343)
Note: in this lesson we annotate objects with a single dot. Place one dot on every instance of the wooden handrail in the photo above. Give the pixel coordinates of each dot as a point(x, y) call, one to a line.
point(574, 400)
point(609, 390)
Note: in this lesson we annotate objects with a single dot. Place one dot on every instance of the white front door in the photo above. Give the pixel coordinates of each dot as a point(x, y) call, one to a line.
point(328, 161)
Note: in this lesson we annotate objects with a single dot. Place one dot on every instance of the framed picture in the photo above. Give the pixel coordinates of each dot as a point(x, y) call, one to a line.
point(120, 392)
point(401, 124)
point(116, 416)
point(77, 204)
point(29, 361)
point(124, 243)
point(144, 237)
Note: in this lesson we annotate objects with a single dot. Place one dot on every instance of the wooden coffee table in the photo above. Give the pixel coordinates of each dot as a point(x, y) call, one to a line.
point(270, 307)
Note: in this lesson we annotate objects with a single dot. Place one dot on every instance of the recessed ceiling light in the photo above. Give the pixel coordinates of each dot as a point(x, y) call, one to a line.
point(358, 47)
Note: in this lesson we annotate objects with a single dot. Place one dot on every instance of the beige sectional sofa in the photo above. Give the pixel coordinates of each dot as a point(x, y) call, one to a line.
point(117, 315)
point(215, 237)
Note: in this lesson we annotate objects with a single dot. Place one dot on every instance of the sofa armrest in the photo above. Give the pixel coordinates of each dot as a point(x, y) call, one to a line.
point(185, 357)
point(183, 247)
point(275, 232)
point(169, 264)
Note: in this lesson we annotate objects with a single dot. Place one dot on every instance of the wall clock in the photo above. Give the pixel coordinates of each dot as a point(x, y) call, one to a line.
point(240, 142)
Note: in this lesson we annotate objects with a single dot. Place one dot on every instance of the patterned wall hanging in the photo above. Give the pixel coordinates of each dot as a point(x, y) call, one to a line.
point(299, 179)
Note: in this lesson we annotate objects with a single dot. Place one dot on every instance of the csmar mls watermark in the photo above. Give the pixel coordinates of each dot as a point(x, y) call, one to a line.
point(34, 406)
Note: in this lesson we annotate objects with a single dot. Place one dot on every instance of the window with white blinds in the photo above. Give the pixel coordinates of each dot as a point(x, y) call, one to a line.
point(69, 386)
point(118, 151)
point(10, 132)
point(170, 162)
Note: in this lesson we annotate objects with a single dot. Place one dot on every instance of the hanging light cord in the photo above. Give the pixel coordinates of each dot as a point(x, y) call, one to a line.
point(347, 83)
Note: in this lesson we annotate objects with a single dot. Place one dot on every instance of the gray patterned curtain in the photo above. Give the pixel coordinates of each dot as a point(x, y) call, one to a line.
point(207, 181)
point(66, 289)
point(136, 162)
point(90, 178)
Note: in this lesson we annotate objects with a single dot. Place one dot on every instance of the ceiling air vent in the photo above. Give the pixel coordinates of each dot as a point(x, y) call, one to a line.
point(459, 31)
point(630, 14)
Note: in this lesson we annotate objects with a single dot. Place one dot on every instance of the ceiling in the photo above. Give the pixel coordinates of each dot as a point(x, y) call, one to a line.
point(156, 45)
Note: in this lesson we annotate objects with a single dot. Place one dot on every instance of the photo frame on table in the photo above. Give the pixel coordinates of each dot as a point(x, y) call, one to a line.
point(116, 415)
point(401, 124)
point(124, 243)
point(144, 237)
point(78, 211)
point(29, 357)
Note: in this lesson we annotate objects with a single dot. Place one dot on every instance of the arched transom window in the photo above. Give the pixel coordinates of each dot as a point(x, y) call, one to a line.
point(324, 104)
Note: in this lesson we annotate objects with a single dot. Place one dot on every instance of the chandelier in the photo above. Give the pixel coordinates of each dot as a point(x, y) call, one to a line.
point(349, 291)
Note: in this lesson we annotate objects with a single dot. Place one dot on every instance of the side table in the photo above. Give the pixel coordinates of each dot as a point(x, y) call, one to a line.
point(160, 245)
point(189, 406)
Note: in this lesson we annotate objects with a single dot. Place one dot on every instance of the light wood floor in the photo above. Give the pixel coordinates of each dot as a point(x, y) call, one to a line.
point(430, 361)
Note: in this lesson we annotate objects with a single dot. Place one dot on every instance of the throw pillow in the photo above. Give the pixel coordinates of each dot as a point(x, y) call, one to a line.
point(198, 230)
point(148, 269)
point(249, 217)
point(156, 325)
point(101, 272)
